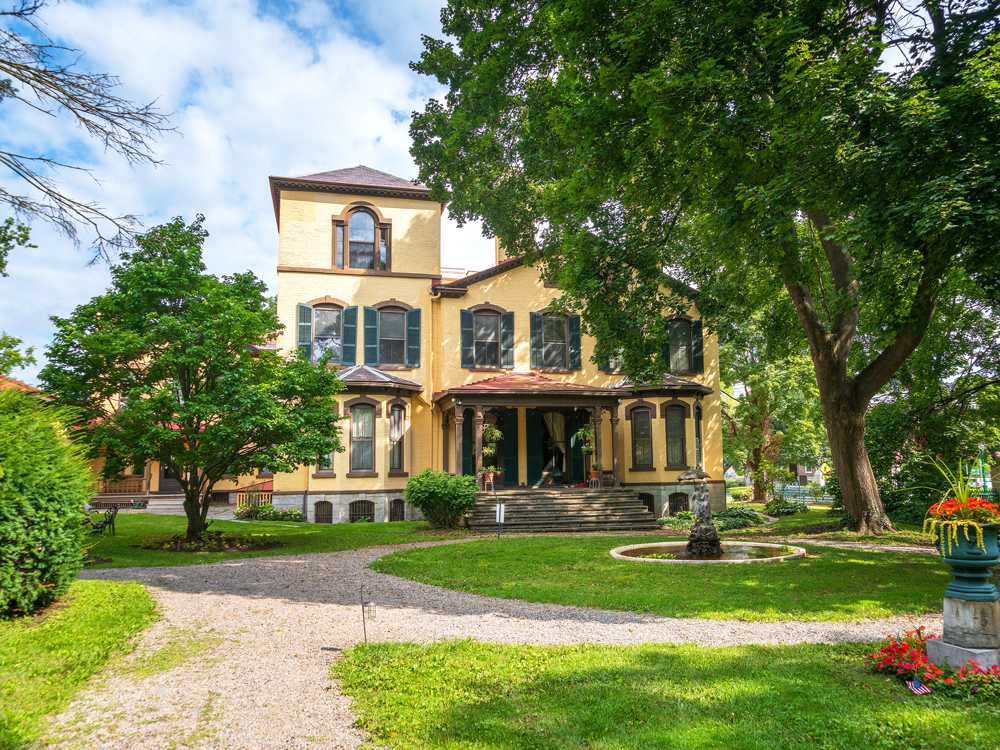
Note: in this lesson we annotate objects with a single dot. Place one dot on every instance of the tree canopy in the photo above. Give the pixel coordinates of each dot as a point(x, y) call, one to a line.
point(844, 153)
point(173, 364)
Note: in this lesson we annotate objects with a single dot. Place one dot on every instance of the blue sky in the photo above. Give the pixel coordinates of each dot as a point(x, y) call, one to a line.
point(255, 88)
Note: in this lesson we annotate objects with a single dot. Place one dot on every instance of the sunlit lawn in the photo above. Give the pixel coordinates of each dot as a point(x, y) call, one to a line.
point(830, 584)
point(816, 524)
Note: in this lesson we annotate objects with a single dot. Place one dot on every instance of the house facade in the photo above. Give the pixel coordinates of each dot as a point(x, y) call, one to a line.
point(430, 362)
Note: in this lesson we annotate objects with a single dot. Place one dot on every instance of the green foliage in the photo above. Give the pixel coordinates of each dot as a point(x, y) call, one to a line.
point(45, 659)
point(462, 695)
point(170, 365)
point(830, 585)
point(735, 518)
point(779, 506)
point(12, 235)
point(491, 436)
point(443, 498)
point(44, 482)
point(210, 541)
point(740, 493)
point(682, 519)
point(11, 356)
point(267, 512)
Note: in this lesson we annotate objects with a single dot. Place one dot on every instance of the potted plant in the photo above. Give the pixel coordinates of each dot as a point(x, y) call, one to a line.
point(595, 470)
point(967, 528)
point(586, 436)
point(488, 472)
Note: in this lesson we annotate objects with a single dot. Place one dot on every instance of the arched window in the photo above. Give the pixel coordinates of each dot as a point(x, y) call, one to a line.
point(361, 510)
point(397, 510)
point(677, 502)
point(362, 438)
point(697, 436)
point(642, 439)
point(397, 426)
point(362, 240)
point(391, 336)
point(323, 512)
point(676, 451)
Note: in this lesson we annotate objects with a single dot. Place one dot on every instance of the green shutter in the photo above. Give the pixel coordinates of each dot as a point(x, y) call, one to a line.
point(665, 347)
point(536, 341)
point(468, 339)
point(349, 347)
point(508, 426)
point(371, 337)
point(413, 338)
point(697, 346)
point(507, 341)
point(573, 325)
point(305, 335)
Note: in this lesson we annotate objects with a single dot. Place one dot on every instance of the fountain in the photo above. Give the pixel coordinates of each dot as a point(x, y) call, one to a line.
point(703, 545)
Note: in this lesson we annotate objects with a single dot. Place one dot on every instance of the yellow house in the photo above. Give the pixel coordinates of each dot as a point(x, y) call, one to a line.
point(431, 361)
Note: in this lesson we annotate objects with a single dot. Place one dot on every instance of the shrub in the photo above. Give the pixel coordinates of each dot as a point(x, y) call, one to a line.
point(267, 512)
point(736, 518)
point(44, 482)
point(443, 498)
point(739, 493)
point(210, 541)
point(682, 519)
point(782, 507)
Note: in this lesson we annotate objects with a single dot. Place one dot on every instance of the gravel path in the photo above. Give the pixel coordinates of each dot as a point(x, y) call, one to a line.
point(269, 628)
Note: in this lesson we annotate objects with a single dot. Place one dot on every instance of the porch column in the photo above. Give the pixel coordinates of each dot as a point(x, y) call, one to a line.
point(478, 421)
point(598, 456)
point(459, 420)
point(614, 446)
point(444, 440)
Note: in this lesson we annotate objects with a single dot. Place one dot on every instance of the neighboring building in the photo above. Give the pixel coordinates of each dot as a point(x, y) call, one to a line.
point(430, 361)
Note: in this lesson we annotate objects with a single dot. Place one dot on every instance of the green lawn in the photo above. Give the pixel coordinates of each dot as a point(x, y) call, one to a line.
point(45, 659)
point(816, 524)
point(298, 538)
point(829, 585)
point(485, 696)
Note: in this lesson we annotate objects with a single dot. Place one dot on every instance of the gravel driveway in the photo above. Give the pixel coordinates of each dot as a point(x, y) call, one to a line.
point(269, 628)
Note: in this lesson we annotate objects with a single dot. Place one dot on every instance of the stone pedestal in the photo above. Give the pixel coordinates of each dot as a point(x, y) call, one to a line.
point(971, 631)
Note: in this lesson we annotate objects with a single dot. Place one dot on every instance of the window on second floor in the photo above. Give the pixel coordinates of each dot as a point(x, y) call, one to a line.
point(555, 342)
point(327, 333)
point(391, 336)
point(487, 338)
point(684, 348)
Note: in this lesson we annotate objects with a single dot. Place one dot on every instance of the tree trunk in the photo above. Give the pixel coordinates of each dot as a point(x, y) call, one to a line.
point(759, 490)
point(194, 512)
point(845, 428)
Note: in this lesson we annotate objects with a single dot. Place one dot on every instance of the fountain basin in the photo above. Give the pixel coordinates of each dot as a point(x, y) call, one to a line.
point(733, 552)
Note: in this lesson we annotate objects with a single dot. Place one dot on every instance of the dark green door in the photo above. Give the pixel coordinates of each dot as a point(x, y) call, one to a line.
point(576, 447)
point(508, 426)
point(535, 438)
point(468, 444)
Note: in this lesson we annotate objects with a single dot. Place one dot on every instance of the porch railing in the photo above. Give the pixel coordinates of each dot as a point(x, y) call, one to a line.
point(126, 486)
point(252, 498)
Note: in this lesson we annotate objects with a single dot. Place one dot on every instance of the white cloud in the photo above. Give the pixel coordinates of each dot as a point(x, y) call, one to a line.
point(253, 93)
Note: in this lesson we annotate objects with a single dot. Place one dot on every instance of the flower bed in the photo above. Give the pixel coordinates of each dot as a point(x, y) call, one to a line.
point(906, 658)
point(211, 541)
point(267, 513)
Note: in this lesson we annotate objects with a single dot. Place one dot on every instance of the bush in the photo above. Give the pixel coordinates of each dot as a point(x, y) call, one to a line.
point(44, 482)
point(782, 507)
point(736, 518)
point(443, 498)
point(210, 541)
point(267, 512)
point(682, 519)
point(739, 493)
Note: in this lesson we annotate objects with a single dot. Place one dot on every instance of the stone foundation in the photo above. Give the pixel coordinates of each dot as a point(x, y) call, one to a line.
point(341, 505)
point(661, 495)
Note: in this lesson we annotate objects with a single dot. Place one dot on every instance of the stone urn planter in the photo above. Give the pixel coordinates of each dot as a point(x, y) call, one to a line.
point(970, 563)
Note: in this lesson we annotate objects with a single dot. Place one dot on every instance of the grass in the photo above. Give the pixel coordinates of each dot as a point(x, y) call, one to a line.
point(829, 585)
point(45, 659)
point(462, 694)
point(297, 539)
point(816, 524)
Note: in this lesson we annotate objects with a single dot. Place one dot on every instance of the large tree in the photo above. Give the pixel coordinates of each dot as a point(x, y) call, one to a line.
point(173, 364)
point(39, 74)
point(843, 152)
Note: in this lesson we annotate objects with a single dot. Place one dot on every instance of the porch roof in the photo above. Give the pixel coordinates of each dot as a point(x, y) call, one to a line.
point(365, 376)
point(669, 384)
point(527, 387)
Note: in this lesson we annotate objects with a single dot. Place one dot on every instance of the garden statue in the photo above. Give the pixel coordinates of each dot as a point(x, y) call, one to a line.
point(704, 538)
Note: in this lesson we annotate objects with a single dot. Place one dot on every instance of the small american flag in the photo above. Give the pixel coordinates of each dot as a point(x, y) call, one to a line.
point(917, 687)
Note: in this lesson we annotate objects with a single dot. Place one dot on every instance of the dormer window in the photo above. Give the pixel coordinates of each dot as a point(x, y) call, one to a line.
point(362, 239)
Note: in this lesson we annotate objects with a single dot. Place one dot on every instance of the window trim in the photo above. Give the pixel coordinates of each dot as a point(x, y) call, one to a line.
point(400, 408)
point(383, 235)
point(650, 410)
point(699, 438)
point(352, 472)
point(565, 343)
point(488, 312)
point(328, 306)
point(689, 369)
point(392, 309)
point(685, 412)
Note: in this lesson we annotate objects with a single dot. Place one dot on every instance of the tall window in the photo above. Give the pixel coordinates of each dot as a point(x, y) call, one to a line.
point(675, 436)
point(554, 341)
point(487, 339)
point(362, 240)
point(362, 438)
point(679, 332)
point(642, 439)
point(340, 246)
point(391, 337)
point(327, 328)
point(697, 436)
point(397, 421)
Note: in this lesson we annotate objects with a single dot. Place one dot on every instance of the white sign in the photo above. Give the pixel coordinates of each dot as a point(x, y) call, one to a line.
point(500, 510)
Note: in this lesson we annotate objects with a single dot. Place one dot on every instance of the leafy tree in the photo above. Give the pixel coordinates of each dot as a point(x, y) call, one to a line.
point(37, 73)
point(12, 236)
point(168, 365)
point(732, 142)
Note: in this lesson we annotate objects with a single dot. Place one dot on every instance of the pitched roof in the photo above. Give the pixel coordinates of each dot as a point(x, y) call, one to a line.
point(526, 382)
point(359, 180)
point(669, 383)
point(458, 287)
point(8, 383)
point(363, 375)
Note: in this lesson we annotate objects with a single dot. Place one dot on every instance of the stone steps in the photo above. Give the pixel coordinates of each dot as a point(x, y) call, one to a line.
point(537, 511)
